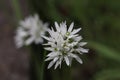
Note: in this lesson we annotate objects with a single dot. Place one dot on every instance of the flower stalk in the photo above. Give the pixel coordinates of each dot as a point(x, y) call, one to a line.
point(43, 66)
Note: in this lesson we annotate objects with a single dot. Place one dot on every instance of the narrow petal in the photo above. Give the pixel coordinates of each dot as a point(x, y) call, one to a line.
point(49, 58)
point(67, 60)
point(47, 38)
point(55, 59)
point(50, 43)
point(49, 48)
point(78, 50)
point(72, 55)
point(49, 31)
point(21, 32)
point(57, 27)
point(38, 40)
point(46, 44)
point(76, 31)
point(71, 27)
point(82, 43)
point(71, 36)
point(63, 29)
point(73, 44)
point(50, 64)
point(70, 60)
point(52, 33)
point(53, 54)
point(78, 59)
point(60, 60)
point(78, 38)
point(57, 64)
point(29, 41)
point(84, 50)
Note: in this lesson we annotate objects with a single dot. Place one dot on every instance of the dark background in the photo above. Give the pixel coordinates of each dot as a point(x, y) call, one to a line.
point(14, 63)
point(100, 22)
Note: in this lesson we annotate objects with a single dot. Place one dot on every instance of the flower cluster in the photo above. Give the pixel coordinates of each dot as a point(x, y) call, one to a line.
point(64, 45)
point(29, 31)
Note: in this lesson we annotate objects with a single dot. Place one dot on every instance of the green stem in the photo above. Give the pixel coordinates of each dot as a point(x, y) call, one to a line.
point(37, 62)
point(66, 71)
point(43, 67)
point(16, 9)
point(40, 66)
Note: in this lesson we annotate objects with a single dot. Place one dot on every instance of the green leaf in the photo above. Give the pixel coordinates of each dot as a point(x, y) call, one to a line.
point(105, 51)
point(111, 74)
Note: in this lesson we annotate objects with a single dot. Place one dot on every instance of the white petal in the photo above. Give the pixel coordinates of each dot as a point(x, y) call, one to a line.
point(55, 59)
point(51, 44)
point(51, 32)
point(45, 26)
point(50, 64)
point(84, 50)
point(46, 44)
point(67, 60)
point(63, 29)
point(57, 64)
point(49, 58)
point(78, 59)
point(47, 38)
point(52, 29)
point(36, 16)
point(19, 43)
point(71, 27)
point(49, 49)
point(57, 27)
point(53, 54)
point(60, 60)
point(38, 40)
point(22, 33)
point(29, 41)
point(71, 36)
point(72, 55)
point(78, 38)
point(70, 60)
point(76, 31)
point(82, 43)
point(73, 44)
point(78, 50)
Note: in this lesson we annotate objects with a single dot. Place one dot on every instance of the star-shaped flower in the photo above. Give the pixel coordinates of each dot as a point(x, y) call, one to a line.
point(64, 45)
point(30, 30)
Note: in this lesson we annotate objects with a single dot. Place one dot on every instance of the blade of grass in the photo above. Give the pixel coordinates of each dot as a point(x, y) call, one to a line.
point(111, 74)
point(105, 51)
point(16, 9)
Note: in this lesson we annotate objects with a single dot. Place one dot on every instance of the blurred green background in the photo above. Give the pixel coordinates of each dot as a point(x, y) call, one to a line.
point(100, 22)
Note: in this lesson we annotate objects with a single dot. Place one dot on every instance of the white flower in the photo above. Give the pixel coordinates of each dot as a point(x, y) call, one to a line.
point(30, 30)
point(64, 45)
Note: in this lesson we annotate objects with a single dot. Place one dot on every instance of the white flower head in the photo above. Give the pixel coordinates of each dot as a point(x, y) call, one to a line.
point(64, 45)
point(30, 30)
